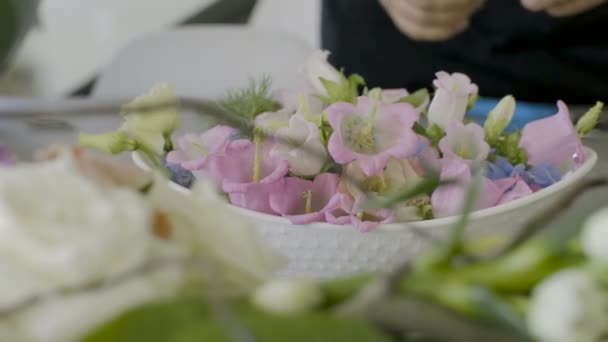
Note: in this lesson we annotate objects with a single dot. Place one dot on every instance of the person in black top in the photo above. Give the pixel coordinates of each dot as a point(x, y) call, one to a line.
point(537, 50)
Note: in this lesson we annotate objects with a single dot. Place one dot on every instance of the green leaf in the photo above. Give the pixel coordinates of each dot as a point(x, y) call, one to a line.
point(426, 186)
point(507, 145)
point(500, 312)
point(588, 121)
point(345, 90)
point(417, 98)
point(185, 320)
point(251, 101)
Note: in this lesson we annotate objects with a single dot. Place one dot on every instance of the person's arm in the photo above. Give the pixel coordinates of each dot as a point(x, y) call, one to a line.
point(561, 8)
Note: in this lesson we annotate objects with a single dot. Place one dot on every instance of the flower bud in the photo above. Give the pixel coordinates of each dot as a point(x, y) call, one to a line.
point(499, 118)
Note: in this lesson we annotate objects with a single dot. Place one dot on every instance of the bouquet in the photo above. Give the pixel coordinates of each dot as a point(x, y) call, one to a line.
point(95, 250)
point(335, 151)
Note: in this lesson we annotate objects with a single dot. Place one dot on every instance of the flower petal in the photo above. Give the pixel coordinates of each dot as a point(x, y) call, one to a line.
point(552, 140)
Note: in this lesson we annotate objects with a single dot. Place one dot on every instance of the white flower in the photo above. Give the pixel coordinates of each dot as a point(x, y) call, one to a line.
point(152, 126)
point(317, 68)
point(236, 255)
point(568, 306)
point(270, 122)
point(71, 317)
point(288, 296)
point(301, 146)
point(399, 175)
point(594, 236)
point(61, 229)
point(499, 118)
point(451, 98)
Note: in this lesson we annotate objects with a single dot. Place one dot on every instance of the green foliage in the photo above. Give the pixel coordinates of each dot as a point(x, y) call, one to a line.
point(345, 90)
point(416, 98)
point(435, 133)
point(251, 101)
point(507, 145)
point(185, 320)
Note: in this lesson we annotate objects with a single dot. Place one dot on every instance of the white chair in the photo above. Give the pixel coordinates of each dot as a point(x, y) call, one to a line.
point(203, 61)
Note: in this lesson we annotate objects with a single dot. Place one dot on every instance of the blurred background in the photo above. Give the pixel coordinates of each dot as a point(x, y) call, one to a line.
point(73, 39)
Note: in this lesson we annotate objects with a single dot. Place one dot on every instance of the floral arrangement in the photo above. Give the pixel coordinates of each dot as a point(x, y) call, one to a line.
point(95, 250)
point(321, 152)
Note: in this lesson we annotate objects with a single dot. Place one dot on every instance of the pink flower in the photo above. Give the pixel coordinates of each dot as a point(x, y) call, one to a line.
point(426, 160)
point(517, 191)
point(342, 209)
point(451, 98)
point(194, 148)
point(371, 133)
point(257, 196)
point(245, 164)
point(552, 140)
point(303, 201)
point(464, 141)
point(448, 200)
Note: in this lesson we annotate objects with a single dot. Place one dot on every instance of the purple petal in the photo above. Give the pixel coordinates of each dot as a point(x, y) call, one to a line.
point(339, 209)
point(521, 189)
point(447, 200)
point(552, 140)
point(257, 197)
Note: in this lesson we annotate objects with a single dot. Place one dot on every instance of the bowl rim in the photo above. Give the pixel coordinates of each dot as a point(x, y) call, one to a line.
point(575, 176)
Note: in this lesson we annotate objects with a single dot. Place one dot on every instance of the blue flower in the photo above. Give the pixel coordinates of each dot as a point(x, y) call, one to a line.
point(180, 175)
point(543, 175)
point(501, 168)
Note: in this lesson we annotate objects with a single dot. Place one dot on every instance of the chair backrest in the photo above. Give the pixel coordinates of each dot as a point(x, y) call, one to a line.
point(203, 61)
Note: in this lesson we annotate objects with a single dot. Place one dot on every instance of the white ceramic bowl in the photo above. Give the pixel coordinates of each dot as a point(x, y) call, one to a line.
point(323, 250)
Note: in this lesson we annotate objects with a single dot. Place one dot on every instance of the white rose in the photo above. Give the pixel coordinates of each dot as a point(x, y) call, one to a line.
point(288, 296)
point(61, 229)
point(238, 257)
point(594, 237)
point(568, 306)
point(317, 68)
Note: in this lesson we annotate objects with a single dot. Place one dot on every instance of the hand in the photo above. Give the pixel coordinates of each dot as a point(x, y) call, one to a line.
point(431, 20)
point(561, 8)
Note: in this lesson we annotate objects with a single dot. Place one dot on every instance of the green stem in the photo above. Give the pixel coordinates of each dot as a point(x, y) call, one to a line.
point(256, 157)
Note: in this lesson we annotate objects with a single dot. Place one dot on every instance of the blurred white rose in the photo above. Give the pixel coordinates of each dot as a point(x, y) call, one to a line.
point(288, 296)
point(568, 306)
point(594, 236)
point(236, 254)
point(61, 229)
